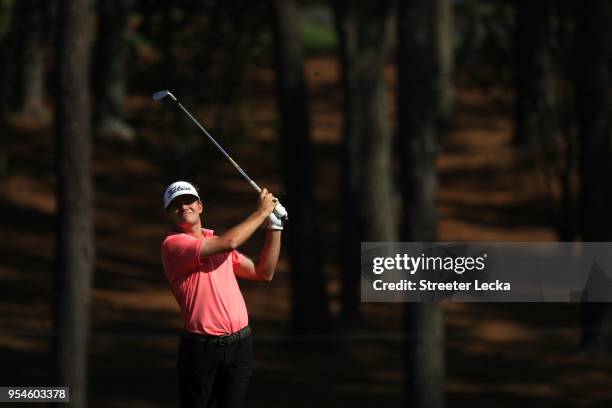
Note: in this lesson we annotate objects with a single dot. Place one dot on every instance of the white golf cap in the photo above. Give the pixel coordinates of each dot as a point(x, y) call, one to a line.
point(178, 188)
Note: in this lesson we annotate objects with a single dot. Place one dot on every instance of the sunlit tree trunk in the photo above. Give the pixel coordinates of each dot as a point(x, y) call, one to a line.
point(445, 59)
point(424, 324)
point(109, 70)
point(31, 17)
point(75, 229)
point(310, 310)
point(368, 212)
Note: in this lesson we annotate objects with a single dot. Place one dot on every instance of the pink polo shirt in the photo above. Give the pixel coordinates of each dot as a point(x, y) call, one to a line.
point(205, 288)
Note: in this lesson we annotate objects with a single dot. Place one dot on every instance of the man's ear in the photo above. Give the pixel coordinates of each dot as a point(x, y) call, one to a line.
point(201, 205)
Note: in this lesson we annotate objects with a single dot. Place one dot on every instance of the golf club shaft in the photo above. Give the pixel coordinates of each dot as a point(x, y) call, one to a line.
point(255, 186)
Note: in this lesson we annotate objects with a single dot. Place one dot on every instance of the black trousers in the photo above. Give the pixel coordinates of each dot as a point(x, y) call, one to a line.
point(209, 372)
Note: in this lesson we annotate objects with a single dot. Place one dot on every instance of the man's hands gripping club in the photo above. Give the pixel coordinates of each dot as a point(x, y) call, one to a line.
point(266, 199)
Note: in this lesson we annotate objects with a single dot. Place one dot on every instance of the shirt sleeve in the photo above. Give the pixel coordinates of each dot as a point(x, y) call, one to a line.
point(237, 257)
point(180, 256)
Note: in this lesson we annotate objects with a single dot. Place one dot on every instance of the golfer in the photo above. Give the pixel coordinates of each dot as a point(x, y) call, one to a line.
point(214, 359)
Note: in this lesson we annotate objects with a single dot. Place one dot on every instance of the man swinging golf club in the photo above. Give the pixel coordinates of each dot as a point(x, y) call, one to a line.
point(214, 359)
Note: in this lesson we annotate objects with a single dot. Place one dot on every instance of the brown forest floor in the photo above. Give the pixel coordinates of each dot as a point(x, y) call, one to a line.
point(504, 355)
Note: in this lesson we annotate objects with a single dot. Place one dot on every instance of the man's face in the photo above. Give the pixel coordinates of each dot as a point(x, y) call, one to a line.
point(185, 210)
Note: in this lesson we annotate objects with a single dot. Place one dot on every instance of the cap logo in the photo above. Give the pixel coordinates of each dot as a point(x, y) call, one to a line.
point(178, 188)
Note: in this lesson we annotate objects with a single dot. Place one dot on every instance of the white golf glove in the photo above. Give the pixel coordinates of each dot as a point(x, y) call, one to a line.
point(274, 223)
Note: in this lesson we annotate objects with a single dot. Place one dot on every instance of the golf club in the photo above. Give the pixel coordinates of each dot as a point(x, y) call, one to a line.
point(279, 210)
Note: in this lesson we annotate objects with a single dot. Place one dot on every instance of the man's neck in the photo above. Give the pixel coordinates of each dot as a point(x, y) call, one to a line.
point(193, 230)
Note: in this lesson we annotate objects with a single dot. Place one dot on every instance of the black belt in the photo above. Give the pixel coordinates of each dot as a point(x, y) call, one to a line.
point(224, 340)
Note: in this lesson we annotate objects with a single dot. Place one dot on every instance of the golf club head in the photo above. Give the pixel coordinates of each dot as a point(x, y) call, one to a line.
point(162, 94)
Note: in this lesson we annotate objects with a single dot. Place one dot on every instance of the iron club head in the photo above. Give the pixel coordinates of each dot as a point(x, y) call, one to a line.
point(162, 94)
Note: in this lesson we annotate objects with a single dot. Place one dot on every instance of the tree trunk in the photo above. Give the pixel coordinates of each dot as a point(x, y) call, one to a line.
point(593, 108)
point(535, 101)
point(416, 120)
point(310, 312)
point(368, 195)
point(109, 72)
point(424, 350)
point(29, 92)
point(6, 69)
point(346, 30)
point(417, 139)
point(75, 232)
point(445, 58)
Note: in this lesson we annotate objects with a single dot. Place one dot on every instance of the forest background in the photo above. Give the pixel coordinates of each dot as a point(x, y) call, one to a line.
point(417, 120)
